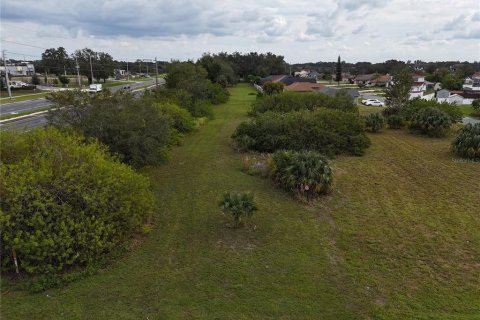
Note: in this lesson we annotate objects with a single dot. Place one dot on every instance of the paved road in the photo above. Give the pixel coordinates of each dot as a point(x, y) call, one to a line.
point(467, 120)
point(33, 121)
point(30, 105)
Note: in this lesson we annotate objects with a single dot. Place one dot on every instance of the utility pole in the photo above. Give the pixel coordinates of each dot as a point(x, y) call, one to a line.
point(64, 71)
point(6, 75)
point(91, 70)
point(128, 76)
point(156, 72)
point(78, 73)
point(147, 67)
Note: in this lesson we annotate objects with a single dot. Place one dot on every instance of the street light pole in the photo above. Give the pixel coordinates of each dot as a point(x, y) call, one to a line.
point(6, 75)
point(91, 70)
point(78, 73)
point(156, 72)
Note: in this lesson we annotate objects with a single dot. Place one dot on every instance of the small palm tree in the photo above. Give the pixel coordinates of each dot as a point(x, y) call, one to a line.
point(238, 204)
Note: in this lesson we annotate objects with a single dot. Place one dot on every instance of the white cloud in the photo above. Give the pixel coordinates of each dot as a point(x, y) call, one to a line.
point(369, 30)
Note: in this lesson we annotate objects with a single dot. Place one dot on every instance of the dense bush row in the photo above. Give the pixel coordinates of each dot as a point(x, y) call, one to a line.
point(64, 202)
point(467, 142)
point(295, 101)
point(306, 173)
point(415, 105)
point(327, 131)
point(138, 130)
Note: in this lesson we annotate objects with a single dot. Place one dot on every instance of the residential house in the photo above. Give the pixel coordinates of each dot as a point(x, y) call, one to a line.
point(382, 81)
point(472, 83)
point(419, 86)
point(453, 97)
point(363, 79)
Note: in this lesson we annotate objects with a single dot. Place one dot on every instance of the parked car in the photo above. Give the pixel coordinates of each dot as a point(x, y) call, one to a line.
point(94, 88)
point(18, 84)
point(373, 103)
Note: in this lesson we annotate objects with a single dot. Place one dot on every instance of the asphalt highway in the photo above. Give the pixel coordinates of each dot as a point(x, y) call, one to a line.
point(37, 120)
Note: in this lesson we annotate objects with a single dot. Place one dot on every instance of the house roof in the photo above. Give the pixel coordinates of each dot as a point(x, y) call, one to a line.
point(383, 78)
point(288, 80)
point(363, 77)
point(272, 78)
point(303, 87)
point(443, 94)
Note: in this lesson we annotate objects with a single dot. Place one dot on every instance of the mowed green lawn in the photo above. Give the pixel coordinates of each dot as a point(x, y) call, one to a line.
point(398, 238)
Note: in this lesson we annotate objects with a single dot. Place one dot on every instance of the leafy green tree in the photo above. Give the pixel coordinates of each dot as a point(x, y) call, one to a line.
point(338, 71)
point(134, 129)
point(238, 204)
point(63, 80)
point(452, 82)
point(65, 203)
point(35, 80)
point(272, 87)
point(398, 94)
point(55, 61)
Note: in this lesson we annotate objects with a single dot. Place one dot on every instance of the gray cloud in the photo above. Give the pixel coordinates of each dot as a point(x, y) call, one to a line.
point(186, 28)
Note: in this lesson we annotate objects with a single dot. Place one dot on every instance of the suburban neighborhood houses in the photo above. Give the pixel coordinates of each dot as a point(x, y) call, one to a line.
point(311, 81)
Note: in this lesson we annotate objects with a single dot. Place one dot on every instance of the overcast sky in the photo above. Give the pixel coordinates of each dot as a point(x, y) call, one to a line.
point(302, 31)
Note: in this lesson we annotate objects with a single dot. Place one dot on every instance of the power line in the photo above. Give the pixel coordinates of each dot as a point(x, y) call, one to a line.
point(24, 44)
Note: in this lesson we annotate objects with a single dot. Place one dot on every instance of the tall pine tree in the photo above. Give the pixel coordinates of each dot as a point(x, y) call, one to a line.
point(338, 76)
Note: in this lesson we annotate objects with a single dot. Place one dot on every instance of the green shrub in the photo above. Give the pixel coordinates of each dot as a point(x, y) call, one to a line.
point(295, 101)
point(467, 142)
point(415, 105)
point(306, 173)
point(238, 204)
point(217, 94)
point(389, 111)
point(374, 122)
point(63, 202)
point(182, 120)
point(430, 121)
point(327, 131)
point(396, 121)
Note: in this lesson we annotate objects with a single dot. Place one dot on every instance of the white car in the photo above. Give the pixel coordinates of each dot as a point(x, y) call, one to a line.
point(17, 84)
point(373, 103)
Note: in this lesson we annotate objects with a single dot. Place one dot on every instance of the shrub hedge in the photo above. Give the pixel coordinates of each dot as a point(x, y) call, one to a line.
point(295, 101)
point(63, 202)
point(324, 130)
point(430, 121)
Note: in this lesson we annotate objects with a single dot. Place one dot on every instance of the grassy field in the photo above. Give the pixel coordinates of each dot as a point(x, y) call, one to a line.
point(396, 239)
point(468, 111)
point(17, 97)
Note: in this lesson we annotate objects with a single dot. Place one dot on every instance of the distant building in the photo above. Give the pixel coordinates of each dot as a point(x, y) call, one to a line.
point(19, 69)
point(472, 83)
